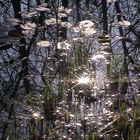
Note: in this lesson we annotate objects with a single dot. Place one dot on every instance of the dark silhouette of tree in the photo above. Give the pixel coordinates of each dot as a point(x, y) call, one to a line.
point(23, 50)
point(105, 20)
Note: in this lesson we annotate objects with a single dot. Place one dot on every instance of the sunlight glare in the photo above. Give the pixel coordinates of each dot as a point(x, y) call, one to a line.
point(83, 80)
point(36, 114)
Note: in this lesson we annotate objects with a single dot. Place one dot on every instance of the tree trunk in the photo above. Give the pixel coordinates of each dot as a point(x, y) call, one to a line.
point(65, 3)
point(87, 3)
point(105, 19)
point(125, 72)
point(22, 49)
point(63, 33)
point(17, 8)
point(77, 9)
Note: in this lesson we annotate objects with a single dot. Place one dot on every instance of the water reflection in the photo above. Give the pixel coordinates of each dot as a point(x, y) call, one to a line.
point(79, 86)
point(83, 80)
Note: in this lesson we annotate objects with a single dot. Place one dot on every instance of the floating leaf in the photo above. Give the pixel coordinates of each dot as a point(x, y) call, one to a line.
point(31, 14)
point(51, 21)
point(76, 29)
point(98, 57)
point(14, 21)
point(111, 1)
point(103, 36)
point(61, 15)
point(104, 39)
point(28, 26)
point(42, 7)
point(78, 40)
point(68, 10)
point(66, 24)
point(44, 44)
point(85, 27)
point(86, 24)
point(28, 29)
point(28, 33)
point(89, 31)
point(124, 23)
point(61, 9)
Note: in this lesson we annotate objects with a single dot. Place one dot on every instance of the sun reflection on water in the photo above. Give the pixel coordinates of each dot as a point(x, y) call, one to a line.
point(83, 80)
point(36, 114)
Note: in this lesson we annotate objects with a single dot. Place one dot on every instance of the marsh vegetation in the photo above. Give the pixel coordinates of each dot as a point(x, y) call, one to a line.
point(69, 70)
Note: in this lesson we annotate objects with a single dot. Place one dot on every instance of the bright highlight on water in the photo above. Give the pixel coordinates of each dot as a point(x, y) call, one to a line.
point(83, 80)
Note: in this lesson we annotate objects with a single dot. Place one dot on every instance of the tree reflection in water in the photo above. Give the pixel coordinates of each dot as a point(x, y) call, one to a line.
point(69, 70)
